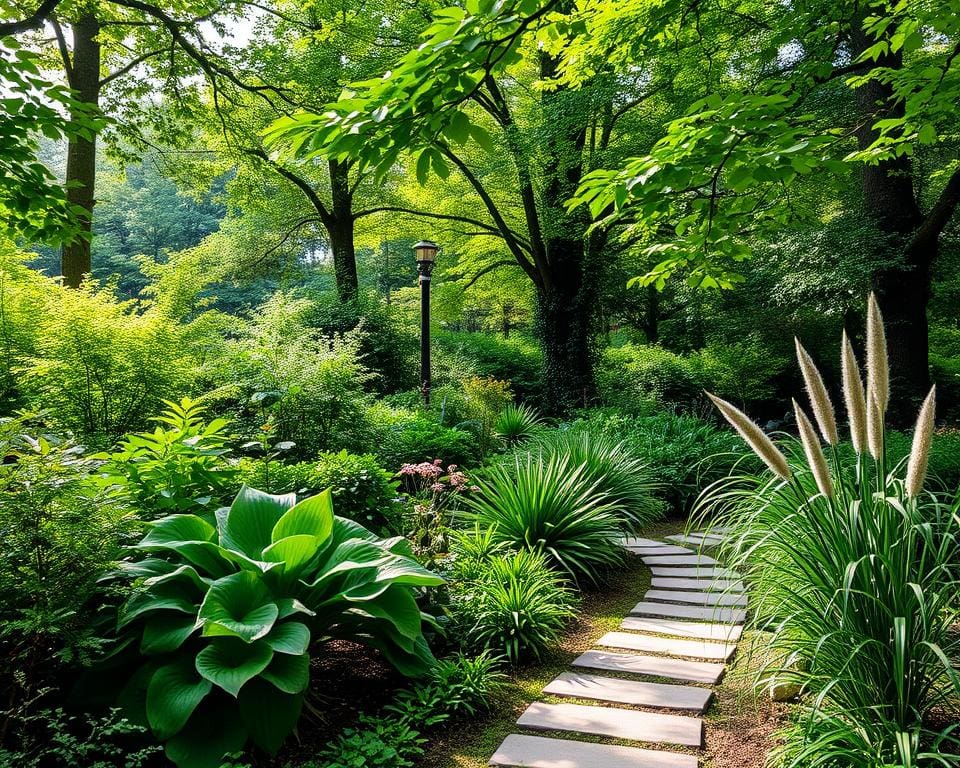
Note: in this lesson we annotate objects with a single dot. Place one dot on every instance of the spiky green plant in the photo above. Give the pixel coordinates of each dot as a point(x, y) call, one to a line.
point(518, 423)
point(550, 505)
point(622, 479)
point(521, 606)
point(855, 576)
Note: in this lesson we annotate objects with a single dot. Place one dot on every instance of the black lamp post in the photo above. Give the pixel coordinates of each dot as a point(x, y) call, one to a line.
point(426, 254)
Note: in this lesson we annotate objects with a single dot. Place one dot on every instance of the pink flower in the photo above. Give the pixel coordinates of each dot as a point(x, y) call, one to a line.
point(452, 468)
point(474, 488)
point(438, 462)
point(437, 487)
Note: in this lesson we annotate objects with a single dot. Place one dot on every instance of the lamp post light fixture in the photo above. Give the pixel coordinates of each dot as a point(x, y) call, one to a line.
point(426, 254)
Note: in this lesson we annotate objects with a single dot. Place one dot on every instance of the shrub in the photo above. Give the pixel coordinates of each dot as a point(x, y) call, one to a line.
point(623, 480)
point(517, 424)
point(59, 535)
point(310, 388)
point(683, 453)
point(101, 366)
point(744, 371)
point(435, 498)
point(224, 618)
point(855, 576)
point(945, 371)
point(516, 360)
point(634, 374)
point(178, 466)
point(485, 398)
point(550, 506)
point(516, 607)
point(403, 437)
point(362, 490)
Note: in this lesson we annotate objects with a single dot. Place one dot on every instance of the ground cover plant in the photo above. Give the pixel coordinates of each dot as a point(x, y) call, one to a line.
point(854, 564)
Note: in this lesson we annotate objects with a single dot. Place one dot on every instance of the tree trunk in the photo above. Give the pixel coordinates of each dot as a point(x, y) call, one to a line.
point(84, 78)
point(340, 230)
point(566, 299)
point(890, 205)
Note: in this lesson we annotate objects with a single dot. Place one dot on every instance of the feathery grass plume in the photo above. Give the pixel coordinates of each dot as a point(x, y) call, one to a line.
point(761, 444)
point(922, 439)
point(819, 398)
point(811, 447)
point(853, 395)
point(878, 370)
point(874, 426)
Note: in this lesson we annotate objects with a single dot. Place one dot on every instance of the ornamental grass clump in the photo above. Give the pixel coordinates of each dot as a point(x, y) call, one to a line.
point(854, 567)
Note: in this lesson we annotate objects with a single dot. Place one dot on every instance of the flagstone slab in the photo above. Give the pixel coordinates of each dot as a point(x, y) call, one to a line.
point(655, 666)
point(697, 585)
point(584, 685)
point(637, 541)
point(692, 559)
point(700, 573)
point(695, 612)
point(660, 549)
point(696, 598)
point(519, 751)
point(672, 646)
point(691, 629)
point(652, 727)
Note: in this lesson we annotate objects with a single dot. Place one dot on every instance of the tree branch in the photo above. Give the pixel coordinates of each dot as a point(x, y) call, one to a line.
point(488, 229)
point(34, 20)
point(130, 65)
point(937, 219)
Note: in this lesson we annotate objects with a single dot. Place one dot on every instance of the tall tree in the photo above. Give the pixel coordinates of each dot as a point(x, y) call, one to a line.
point(474, 74)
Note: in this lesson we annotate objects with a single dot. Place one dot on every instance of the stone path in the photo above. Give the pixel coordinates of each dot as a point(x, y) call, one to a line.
point(646, 683)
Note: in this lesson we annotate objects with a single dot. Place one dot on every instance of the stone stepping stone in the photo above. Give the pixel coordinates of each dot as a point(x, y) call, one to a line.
point(519, 751)
point(697, 598)
point(693, 559)
point(637, 541)
point(696, 612)
point(697, 541)
point(695, 649)
point(616, 723)
point(692, 629)
point(655, 666)
point(697, 585)
point(700, 573)
point(660, 549)
point(583, 685)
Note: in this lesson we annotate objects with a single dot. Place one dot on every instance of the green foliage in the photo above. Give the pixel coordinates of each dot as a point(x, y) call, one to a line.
point(551, 506)
point(362, 490)
point(457, 687)
point(69, 741)
point(225, 617)
point(177, 467)
point(516, 360)
point(32, 203)
point(403, 437)
point(517, 423)
point(623, 481)
point(311, 386)
point(515, 606)
point(101, 365)
point(388, 347)
point(377, 742)
point(683, 453)
point(59, 534)
point(634, 373)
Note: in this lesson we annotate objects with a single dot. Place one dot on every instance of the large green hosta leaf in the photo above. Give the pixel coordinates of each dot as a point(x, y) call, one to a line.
point(239, 604)
point(248, 524)
point(229, 663)
point(174, 692)
point(224, 618)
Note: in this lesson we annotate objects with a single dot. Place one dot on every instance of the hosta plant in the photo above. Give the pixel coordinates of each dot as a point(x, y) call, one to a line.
point(226, 614)
point(854, 566)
